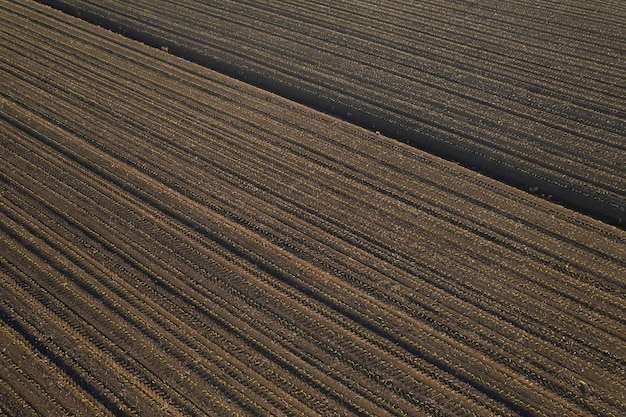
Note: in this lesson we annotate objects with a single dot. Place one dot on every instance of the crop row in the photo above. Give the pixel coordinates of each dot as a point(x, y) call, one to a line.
point(211, 245)
point(532, 100)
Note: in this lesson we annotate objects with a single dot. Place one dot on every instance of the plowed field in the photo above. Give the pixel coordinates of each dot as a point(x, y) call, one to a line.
point(531, 92)
point(177, 242)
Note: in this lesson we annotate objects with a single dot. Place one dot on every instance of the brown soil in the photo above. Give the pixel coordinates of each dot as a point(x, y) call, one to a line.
point(176, 242)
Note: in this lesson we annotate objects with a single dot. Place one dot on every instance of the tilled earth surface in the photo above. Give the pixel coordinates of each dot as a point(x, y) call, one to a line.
point(174, 241)
point(529, 92)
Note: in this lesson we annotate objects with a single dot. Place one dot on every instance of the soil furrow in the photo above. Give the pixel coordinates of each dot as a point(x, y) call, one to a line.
point(174, 354)
point(174, 241)
point(535, 156)
point(211, 313)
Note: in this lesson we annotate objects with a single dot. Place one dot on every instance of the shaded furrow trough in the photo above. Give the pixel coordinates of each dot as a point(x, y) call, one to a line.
point(531, 93)
point(177, 242)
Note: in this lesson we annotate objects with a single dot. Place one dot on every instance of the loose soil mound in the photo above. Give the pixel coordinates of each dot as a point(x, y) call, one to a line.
point(173, 241)
point(531, 92)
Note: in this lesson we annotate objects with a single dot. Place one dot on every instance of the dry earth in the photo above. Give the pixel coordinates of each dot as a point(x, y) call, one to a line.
point(531, 92)
point(177, 242)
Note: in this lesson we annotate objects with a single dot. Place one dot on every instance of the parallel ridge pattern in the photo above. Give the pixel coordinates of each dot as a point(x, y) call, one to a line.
point(531, 91)
point(176, 242)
